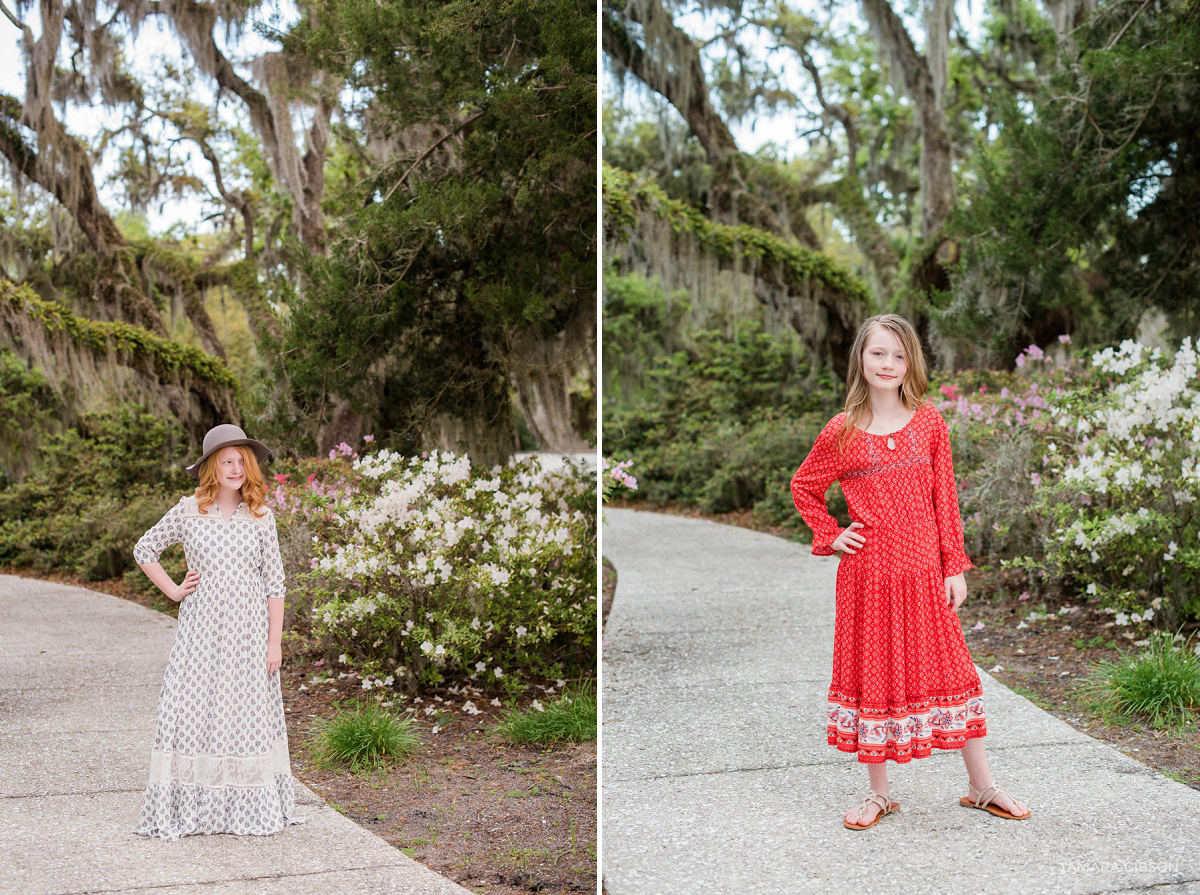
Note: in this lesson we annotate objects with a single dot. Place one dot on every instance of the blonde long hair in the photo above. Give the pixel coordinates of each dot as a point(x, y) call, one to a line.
point(912, 389)
point(254, 489)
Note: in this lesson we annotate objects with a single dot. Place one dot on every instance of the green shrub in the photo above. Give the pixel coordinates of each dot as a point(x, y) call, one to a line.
point(28, 408)
point(363, 737)
point(97, 489)
point(1161, 684)
point(726, 424)
point(570, 718)
point(639, 320)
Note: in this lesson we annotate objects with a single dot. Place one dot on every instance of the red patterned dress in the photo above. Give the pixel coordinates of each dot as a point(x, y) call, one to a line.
point(903, 680)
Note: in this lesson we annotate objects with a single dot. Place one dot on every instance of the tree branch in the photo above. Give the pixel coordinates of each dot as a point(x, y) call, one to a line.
point(424, 155)
point(12, 18)
point(837, 110)
point(237, 202)
point(1021, 86)
point(682, 83)
point(1112, 43)
point(937, 180)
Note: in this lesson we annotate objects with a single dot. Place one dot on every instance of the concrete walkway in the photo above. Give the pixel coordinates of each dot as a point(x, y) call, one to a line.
point(717, 777)
point(80, 674)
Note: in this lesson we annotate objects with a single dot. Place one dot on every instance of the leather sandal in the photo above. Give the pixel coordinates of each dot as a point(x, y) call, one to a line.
point(984, 798)
point(879, 801)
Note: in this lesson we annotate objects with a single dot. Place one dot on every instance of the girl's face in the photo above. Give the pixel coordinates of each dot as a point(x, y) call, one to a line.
point(884, 362)
point(231, 468)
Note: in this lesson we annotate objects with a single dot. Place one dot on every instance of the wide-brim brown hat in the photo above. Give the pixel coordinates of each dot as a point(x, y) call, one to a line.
point(227, 435)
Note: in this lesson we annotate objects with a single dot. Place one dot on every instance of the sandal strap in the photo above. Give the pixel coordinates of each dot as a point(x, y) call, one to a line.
point(986, 795)
point(882, 802)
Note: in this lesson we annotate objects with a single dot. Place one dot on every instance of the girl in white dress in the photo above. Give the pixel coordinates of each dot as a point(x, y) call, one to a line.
point(220, 758)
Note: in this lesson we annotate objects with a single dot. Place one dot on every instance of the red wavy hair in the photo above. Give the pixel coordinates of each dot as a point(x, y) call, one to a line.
point(254, 489)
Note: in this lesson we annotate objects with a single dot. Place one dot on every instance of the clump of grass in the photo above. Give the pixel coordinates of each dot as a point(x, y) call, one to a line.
point(570, 718)
point(364, 737)
point(1161, 684)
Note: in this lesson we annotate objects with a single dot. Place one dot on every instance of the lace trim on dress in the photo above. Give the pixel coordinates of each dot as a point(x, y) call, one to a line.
point(191, 510)
point(220, 771)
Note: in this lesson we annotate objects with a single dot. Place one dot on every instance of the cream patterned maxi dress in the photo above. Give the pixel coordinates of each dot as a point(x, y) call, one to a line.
point(220, 758)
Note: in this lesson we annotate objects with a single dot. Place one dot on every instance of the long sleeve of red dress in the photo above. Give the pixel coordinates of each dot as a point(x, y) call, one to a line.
point(945, 504)
point(819, 470)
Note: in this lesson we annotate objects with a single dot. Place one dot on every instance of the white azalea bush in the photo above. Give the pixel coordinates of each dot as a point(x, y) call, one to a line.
point(1085, 473)
point(1121, 483)
point(429, 569)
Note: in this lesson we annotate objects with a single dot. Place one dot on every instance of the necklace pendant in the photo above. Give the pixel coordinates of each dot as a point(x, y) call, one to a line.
point(891, 443)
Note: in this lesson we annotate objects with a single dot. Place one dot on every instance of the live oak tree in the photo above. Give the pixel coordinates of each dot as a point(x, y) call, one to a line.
point(469, 268)
point(1084, 219)
point(902, 115)
point(297, 152)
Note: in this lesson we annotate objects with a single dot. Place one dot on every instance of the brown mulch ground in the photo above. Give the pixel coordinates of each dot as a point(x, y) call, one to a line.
point(496, 818)
point(1049, 661)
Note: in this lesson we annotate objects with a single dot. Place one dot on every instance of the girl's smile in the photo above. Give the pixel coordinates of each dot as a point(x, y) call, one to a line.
point(232, 468)
point(883, 359)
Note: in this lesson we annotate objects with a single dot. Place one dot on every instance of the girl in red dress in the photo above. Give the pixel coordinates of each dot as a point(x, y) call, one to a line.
point(903, 682)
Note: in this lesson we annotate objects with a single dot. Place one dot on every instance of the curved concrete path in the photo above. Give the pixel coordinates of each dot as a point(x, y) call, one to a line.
point(717, 776)
point(80, 674)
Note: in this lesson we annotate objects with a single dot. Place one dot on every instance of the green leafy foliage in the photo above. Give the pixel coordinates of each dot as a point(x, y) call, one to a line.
point(1084, 213)
point(98, 488)
point(725, 424)
point(640, 323)
point(443, 260)
point(627, 196)
point(28, 408)
point(162, 355)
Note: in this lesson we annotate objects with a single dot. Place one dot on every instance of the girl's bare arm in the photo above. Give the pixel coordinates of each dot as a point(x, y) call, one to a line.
point(274, 634)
